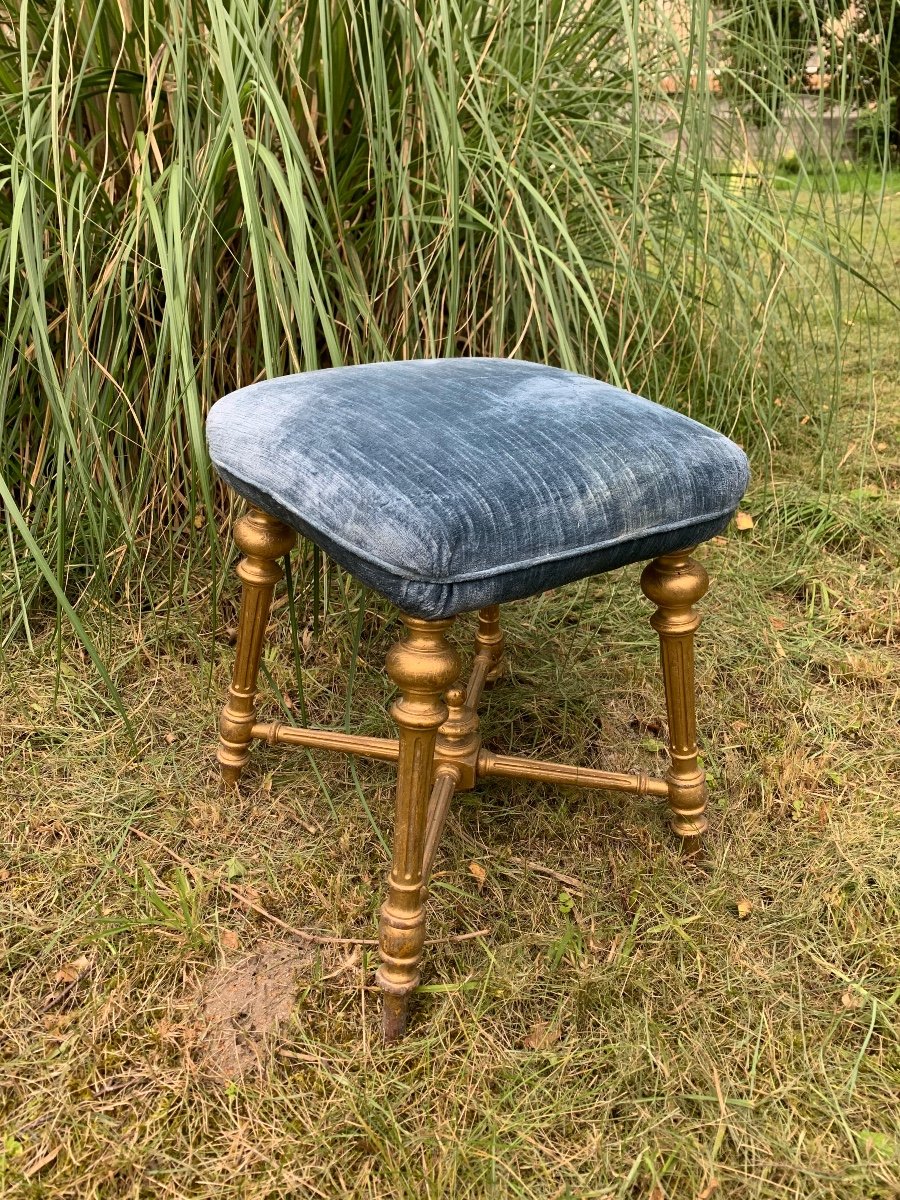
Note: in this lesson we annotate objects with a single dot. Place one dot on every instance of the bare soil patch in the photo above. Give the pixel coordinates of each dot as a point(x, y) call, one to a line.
point(243, 1003)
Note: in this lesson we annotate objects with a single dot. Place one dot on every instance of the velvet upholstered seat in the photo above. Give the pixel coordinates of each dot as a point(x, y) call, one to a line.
point(452, 484)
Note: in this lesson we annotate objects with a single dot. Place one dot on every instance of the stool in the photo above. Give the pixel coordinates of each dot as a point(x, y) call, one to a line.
point(455, 485)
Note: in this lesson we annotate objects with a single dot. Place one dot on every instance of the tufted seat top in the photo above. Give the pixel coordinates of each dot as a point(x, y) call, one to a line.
point(451, 484)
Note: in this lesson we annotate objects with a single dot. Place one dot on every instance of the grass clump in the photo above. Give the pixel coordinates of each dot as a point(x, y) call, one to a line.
point(193, 197)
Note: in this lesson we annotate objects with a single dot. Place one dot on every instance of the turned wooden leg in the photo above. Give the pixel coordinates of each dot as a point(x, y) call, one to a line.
point(263, 540)
point(489, 640)
point(422, 666)
point(674, 582)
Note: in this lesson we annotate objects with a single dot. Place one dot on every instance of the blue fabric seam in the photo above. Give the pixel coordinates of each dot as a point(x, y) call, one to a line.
point(500, 568)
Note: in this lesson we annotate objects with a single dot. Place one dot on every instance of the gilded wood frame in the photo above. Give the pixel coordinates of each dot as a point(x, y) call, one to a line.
point(438, 749)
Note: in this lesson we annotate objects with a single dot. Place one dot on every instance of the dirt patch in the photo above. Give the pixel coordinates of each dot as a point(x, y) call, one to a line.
point(244, 1001)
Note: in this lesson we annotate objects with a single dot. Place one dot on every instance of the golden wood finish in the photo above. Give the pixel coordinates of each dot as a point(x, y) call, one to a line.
point(438, 751)
point(489, 644)
point(263, 540)
point(458, 738)
point(445, 781)
point(422, 666)
point(458, 752)
point(506, 766)
point(675, 582)
point(276, 734)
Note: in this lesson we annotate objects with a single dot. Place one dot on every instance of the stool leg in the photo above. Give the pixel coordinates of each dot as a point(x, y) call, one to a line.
point(489, 639)
point(674, 582)
point(422, 666)
point(263, 540)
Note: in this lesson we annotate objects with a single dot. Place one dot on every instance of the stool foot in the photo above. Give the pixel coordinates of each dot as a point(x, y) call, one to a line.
point(422, 666)
point(393, 1017)
point(263, 540)
point(674, 582)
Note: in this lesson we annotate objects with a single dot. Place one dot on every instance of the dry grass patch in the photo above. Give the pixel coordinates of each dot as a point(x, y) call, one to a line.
point(630, 1026)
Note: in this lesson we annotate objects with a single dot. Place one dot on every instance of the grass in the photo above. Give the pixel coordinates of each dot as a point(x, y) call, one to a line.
point(194, 196)
point(865, 179)
point(631, 1025)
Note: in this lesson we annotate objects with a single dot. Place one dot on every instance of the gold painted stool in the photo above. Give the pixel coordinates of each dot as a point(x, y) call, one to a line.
point(314, 453)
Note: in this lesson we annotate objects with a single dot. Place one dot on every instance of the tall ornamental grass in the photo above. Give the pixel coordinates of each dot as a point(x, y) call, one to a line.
point(196, 194)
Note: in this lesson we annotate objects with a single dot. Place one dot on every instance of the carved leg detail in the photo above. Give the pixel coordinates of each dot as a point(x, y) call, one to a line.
point(674, 582)
point(263, 540)
point(489, 640)
point(422, 666)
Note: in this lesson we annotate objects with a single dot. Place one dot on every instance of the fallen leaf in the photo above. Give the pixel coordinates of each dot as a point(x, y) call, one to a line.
point(879, 1143)
point(708, 1190)
point(234, 869)
point(478, 871)
point(743, 520)
point(73, 971)
point(542, 1035)
point(851, 1000)
point(744, 908)
point(721, 541)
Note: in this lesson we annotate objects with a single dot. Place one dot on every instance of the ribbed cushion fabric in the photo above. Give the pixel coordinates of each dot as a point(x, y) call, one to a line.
point(450, 484)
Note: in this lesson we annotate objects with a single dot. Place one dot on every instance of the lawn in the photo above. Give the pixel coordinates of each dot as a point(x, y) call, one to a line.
point(625, 1023)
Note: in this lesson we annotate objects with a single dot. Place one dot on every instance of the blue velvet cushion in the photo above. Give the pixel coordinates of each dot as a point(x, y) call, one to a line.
point(450, 484)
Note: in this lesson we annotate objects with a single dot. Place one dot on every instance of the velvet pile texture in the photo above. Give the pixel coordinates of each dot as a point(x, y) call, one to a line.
point(451, 484)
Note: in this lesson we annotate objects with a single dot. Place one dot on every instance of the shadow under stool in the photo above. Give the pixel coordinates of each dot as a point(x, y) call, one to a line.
point(451, 486)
